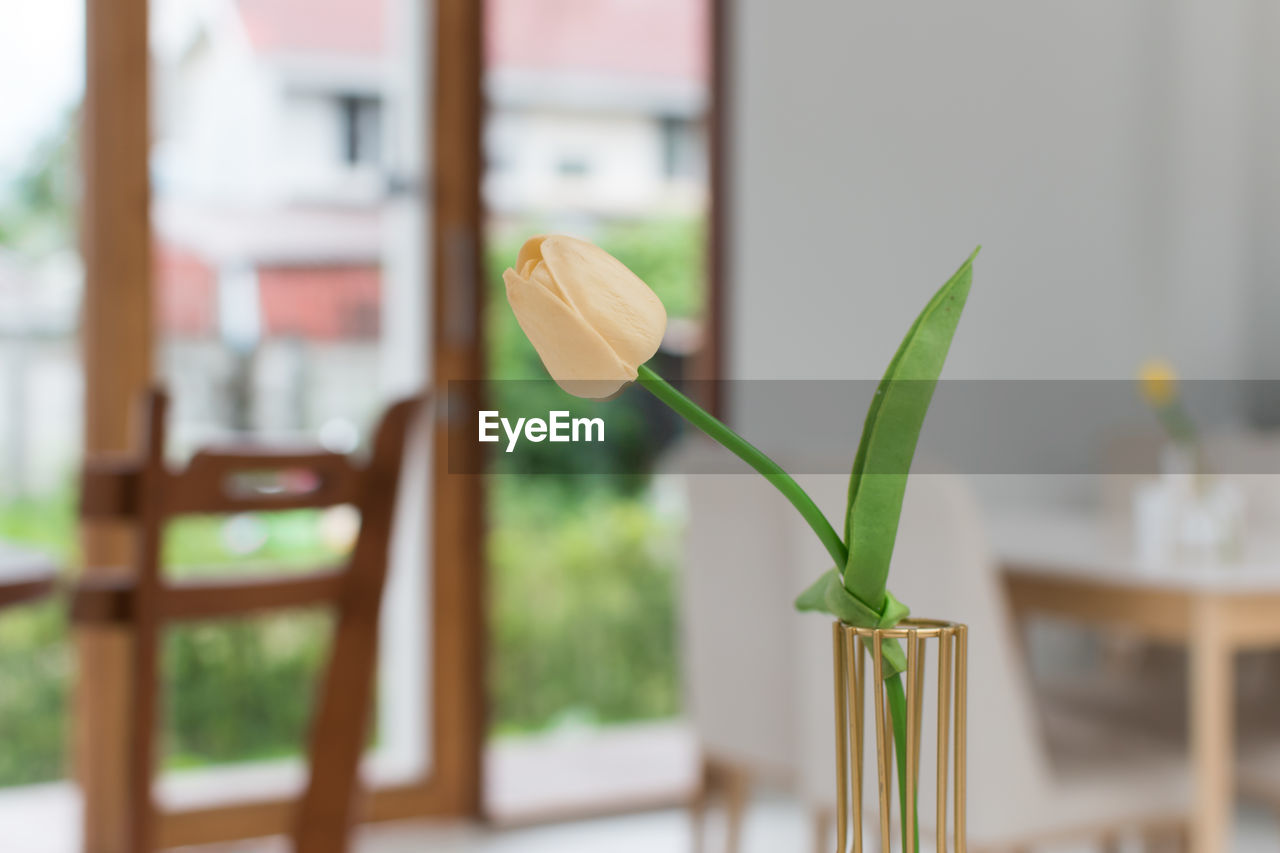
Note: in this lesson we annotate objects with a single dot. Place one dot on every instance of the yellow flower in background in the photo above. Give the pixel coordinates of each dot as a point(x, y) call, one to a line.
point(592, 320)
point(1159, 382)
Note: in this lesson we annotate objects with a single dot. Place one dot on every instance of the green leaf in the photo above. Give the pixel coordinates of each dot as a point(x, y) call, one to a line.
point(878, 481)
point(814, 599)
point(828, 595)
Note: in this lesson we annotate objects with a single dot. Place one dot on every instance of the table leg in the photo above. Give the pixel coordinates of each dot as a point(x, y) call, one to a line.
point(1212, 703)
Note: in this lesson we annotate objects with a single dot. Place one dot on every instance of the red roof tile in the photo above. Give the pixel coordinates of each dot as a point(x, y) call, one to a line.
point(343, 27)
point(668, 38)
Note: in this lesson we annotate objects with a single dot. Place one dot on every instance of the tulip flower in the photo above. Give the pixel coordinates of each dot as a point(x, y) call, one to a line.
point(1158, 382)
point(592, 320)
point(595, 324)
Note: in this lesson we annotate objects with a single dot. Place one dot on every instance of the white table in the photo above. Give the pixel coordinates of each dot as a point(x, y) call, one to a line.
point(1072, 564)
point(24, 575)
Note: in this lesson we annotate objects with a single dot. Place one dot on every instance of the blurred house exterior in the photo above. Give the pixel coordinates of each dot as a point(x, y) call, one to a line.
point(271, 176)
point(39, 370)
point(597, 107)
point(270, 184)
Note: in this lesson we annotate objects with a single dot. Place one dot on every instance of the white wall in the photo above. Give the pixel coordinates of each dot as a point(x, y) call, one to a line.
point(1264, 199)
point(1117, 160)
point(1108, 155)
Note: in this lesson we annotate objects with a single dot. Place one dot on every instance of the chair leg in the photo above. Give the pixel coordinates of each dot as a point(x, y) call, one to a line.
point(698, 803)
point(822, 826)
point(737, 790)
point(1175, 838)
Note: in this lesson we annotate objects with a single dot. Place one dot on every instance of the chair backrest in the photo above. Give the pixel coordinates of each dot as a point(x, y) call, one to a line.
point(943, 568)
point(146, 493)
point(736, 616)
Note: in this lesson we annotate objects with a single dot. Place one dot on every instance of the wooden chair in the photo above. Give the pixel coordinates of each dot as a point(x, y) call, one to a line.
point(145, 493)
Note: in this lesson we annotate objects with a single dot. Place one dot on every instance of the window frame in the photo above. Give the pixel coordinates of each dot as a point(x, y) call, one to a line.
point(119, 337)
point(118, 340)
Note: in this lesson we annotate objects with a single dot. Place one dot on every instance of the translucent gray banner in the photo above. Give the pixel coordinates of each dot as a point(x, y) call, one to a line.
point(1048, 427)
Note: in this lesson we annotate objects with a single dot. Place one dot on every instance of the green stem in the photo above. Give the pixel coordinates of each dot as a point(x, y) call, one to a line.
point(898, 711)
point(754, 457)
point(1178, 423)
point(791, 490)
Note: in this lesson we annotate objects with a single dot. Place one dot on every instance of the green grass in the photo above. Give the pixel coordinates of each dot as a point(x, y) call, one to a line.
point(583, 607)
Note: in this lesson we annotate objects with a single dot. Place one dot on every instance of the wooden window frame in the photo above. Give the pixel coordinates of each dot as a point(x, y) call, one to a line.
point(710, 366)
point(118, 337)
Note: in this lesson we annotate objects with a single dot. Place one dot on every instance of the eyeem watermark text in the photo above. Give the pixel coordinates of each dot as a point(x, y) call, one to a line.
point(557, 427)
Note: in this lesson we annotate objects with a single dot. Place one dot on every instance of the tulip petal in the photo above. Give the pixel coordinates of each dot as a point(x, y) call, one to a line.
point(539, 275)
point(612, 299)
point(531, 251)
point(575, 355)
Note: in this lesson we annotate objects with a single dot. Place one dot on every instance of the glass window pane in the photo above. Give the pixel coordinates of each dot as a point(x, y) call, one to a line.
point(596, 127)
point(41, 69)
point(289, 309)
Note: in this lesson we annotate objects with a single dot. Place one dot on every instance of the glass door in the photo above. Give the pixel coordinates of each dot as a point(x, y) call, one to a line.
point(41, 416)
point(288, 230)
point(597, 126)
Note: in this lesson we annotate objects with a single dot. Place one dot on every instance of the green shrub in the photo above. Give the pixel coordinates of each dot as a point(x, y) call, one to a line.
point(241, 690)
point(583, 606)
point(35, 679)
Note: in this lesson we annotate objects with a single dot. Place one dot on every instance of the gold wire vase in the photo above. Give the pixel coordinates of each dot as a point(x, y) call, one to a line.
point(859, 659)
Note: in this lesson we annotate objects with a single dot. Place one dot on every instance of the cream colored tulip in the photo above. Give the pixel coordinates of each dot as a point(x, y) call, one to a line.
point(592, 320)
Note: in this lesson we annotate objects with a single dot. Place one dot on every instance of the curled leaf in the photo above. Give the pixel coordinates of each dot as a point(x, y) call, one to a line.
point(828, 595)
